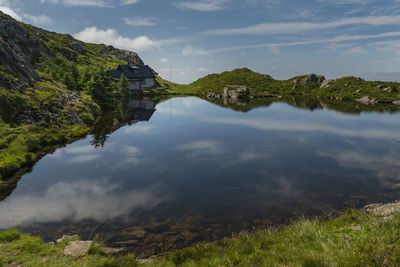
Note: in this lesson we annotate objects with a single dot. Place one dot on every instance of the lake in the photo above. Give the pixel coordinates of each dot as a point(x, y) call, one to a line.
point(186, 170)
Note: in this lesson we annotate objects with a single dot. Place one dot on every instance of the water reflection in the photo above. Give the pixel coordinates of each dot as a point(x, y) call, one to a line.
point(191, 171)
point(128, 112)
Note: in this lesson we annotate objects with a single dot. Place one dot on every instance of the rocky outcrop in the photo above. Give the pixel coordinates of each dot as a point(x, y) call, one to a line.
point(326, 84)
point(17, 49)
point(386, 88)
point(366, 100)
point(125, 55)
point(235, 91)
point(397, 102)
point(77, 248)
point(312, 78)
point(383, 209)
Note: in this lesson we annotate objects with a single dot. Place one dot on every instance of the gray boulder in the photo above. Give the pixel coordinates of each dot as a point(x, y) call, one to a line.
point(235, 92)
point(77, 248)
point(326, 83)
point(366, 100)
point(383, 209)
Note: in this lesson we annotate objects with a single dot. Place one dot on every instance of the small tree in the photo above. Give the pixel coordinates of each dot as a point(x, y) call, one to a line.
point(124, 86)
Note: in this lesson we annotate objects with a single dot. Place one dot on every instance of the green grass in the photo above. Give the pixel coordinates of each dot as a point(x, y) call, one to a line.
point(32, 251)
point(352, 239)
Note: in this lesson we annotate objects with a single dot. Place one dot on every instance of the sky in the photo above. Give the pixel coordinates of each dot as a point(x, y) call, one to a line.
point(187, 39)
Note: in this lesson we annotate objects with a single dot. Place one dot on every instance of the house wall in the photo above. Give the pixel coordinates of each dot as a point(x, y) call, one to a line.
point(149, 82)
point(134, 85)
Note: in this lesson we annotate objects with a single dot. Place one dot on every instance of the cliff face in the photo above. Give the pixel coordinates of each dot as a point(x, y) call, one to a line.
point(22, 45)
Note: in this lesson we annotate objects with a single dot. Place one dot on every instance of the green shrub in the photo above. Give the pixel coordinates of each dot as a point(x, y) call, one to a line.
point(9, 236)
point(95, 249)
point(121, 261)
point(87, 118)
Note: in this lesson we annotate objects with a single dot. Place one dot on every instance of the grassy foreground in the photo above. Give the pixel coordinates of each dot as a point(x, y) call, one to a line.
point(352, 239)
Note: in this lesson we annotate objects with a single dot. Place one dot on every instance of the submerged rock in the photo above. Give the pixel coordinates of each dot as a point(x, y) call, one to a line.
point(77, 248)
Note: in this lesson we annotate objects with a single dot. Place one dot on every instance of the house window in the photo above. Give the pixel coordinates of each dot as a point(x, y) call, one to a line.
point(142, 81)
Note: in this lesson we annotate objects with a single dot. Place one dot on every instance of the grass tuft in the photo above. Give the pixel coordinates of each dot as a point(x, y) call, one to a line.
point(9, 236)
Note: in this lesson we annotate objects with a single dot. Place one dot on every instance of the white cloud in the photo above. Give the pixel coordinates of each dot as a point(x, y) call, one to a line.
point(342, 38)
point(128, 2)
point(356, 50)
point(38, 20)
point(111, 37)
point(190, 51)
point(9, 11)
point(140, 21)
point(164, 60)
point(95, 3)
point(205, 6)
point(296, 27)
point(34, 19)
point(202, 69)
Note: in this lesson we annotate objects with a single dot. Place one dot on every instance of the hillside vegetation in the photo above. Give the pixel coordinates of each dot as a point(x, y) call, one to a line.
point(260, 85)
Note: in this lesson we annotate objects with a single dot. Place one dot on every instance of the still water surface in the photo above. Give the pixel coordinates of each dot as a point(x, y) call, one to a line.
point(191, 171)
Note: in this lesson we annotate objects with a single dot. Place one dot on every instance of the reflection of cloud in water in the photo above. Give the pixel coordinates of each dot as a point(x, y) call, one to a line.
point(190, 102)
point(201, 147)
point(99, 200)
point(246, 156)
point(84, 158)
point(139, 129)
point(83, 154)
point(291, 125)
point(77, 153)
point(383, 164)
point(133, 155)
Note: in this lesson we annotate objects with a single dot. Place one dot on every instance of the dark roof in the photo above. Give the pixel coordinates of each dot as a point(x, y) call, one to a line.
point(132, 72)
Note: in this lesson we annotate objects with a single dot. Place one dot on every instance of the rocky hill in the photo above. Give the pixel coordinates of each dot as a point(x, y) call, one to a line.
point(243, 84)
point(23, 45)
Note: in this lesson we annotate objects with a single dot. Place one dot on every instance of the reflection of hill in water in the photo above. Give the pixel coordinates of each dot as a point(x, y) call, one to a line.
point(127, 113)
point(308, 103)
